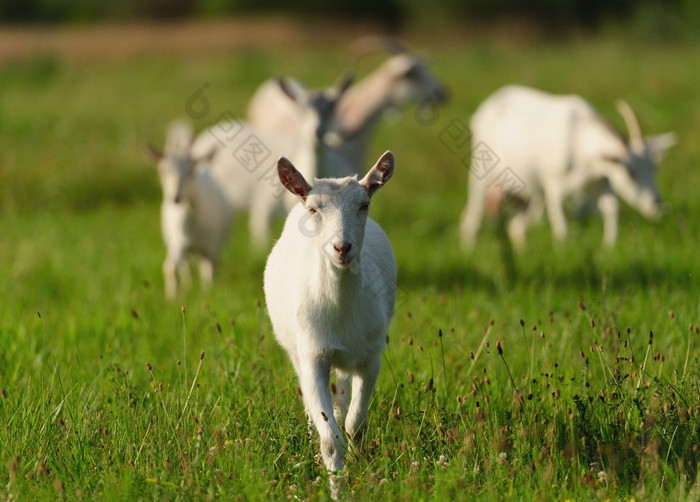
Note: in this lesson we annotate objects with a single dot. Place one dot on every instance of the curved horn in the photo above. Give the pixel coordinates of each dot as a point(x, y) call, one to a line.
point(368, 45)
point(344, 83)
point(636, 139)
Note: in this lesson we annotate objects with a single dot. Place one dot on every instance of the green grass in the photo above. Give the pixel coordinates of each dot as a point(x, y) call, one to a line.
point(577, 407)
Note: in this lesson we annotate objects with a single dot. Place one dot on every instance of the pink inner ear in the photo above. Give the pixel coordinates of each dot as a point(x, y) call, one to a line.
point(292, 179)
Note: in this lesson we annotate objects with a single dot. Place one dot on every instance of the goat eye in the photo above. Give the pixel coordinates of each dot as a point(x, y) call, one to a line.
point(364, 207)
point(412, 72)
point(312, 210)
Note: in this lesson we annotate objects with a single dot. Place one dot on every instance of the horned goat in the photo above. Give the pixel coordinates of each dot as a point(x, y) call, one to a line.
point(542, 148)
point(403, 78)
point(242, 156)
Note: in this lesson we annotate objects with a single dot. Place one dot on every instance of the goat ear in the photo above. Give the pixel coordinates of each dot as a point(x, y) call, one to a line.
point(206, 156)
point(344, 84)
point(615, 159)
point(290, 88)
point(153, 153)
point(382, 172)
point(657, 145)
point(292, 179)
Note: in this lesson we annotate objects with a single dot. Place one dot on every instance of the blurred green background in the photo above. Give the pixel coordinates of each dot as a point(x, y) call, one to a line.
point(86, 85)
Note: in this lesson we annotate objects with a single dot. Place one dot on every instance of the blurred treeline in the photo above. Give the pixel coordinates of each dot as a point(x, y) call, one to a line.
point(667, 15)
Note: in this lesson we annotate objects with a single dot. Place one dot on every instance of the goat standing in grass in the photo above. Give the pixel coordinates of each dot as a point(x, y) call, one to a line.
point(403, 78)
point(195, 216)
point(542, 148)
point(330, 287)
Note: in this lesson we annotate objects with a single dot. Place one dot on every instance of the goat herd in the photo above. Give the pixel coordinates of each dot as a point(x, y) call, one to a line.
point(330, 280)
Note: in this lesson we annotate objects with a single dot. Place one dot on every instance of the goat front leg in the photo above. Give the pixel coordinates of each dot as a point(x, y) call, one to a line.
point(341, 396)
point(609, 208)
point(472, 214)
point(206, 271)
point(362, 386)
point(314, 378)
point(173, 270)
point(555, 212)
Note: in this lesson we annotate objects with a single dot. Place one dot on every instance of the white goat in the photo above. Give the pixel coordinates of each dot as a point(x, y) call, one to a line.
point(330, 287)
point(243, 157)
point(541, 148)
point(195, 216)
point(401, 79)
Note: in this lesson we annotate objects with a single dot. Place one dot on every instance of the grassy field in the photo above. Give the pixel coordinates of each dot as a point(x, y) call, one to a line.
point(110, 392)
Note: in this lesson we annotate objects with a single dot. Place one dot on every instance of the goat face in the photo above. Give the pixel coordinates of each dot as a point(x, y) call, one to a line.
point(634, 176)
point(337, 208)
point(337, 214)
point(414, 82)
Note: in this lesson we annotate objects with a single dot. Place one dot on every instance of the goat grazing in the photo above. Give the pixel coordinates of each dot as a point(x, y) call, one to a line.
point(330, 287)
point(195, 216)
point(541, 148)
point(403, 78)
point(242, 157)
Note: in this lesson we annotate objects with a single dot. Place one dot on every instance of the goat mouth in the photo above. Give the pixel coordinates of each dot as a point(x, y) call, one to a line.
point(342, 261)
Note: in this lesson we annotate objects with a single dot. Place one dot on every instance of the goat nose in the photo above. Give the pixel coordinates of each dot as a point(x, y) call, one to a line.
point(177, 199)
point(342, 248)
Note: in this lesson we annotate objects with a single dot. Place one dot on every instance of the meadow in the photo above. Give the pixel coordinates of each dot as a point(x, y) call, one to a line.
point(568, 371)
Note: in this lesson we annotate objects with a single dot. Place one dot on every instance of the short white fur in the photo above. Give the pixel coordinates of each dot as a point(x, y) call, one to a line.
point(559, 146)
point(195, 215)
point(254, 187)
point(403, 78)
point(330, 287)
